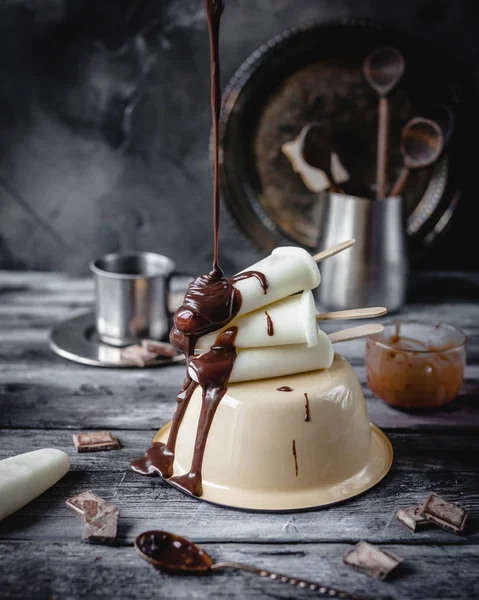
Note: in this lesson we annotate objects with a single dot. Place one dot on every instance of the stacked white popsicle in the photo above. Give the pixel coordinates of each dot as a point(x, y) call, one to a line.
point(278, 332)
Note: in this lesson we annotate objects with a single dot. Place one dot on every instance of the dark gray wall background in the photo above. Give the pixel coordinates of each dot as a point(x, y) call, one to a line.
point(105, 120)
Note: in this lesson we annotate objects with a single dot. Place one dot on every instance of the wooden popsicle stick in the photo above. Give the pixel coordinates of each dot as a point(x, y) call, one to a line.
point(333, 250)
point(354, 313)
point(354, 333)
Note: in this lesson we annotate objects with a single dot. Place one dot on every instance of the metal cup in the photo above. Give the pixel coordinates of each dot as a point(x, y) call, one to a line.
point(132, 292)
point(374, 272)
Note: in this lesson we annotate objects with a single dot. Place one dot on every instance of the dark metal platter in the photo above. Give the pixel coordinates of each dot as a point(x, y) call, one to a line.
point(314, 73)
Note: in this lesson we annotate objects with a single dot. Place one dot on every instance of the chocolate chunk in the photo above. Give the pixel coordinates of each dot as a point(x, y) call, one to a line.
point(411, 518)
point(371, 560)
point(444, 513)
point(137, 355)
point(75, 504)
point(159, 348)
point(100, 521)
point(95, 441)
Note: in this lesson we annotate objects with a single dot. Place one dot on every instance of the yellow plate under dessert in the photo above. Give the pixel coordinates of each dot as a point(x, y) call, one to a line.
point(271, 450)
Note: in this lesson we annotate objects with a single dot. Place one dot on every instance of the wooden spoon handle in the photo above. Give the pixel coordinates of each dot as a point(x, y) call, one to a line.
point(301, 583)
point(382, 150)
point(353, 333)
point(333, 186)
point(398, 187)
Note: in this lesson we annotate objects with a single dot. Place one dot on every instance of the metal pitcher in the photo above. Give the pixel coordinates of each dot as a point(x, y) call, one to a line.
point(373, 272)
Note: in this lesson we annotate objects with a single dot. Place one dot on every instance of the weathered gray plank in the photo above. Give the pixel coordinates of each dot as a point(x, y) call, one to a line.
point(31, 375)
point(77, 570)
point(447, 466)
point(60, 394)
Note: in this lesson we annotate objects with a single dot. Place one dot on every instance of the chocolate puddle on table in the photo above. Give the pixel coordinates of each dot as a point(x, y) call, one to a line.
point(210, 304)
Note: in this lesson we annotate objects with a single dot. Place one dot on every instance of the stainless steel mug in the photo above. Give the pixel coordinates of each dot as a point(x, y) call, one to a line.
point(132, 292)
point(373, 272)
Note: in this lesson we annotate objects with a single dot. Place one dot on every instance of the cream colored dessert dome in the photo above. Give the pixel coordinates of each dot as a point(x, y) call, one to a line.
point(270, 448)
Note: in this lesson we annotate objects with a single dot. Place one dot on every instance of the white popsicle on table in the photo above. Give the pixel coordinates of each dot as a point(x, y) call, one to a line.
point(26, 476)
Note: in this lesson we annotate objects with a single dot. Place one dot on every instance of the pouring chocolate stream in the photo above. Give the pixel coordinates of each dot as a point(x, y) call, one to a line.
point(210, 303)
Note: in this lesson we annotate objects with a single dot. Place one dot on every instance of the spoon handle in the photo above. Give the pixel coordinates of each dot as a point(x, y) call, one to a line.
point(398, 187)
point(301, 583)
point(383, 146)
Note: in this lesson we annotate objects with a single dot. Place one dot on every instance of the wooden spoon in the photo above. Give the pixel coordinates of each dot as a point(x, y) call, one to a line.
point(444, 116)
point(316, 150)
point(422, 142)
point(383, 69)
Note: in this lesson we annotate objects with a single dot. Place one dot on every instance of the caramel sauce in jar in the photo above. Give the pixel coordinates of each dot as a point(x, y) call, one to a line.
point(414, 364)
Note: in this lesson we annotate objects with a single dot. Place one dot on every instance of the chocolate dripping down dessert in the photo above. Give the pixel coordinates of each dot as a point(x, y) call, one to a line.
point(248, 339)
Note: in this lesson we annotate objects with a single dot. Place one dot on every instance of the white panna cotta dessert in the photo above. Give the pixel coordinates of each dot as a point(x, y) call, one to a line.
point(270, 448)
point(268, 417)
point(292, 430)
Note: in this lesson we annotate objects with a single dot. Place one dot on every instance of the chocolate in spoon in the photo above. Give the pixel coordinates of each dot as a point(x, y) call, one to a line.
point(383, 69)
point(422, 142)
point(175, 554)
point(316, 150)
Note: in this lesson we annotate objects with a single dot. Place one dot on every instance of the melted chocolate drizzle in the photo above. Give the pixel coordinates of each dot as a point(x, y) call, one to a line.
point(210, 303)
point(212, 370)
point(269, 324)
point(295, 458)
point(284, 388)
point(214, 10)
point(306, 407)
point(259, 276)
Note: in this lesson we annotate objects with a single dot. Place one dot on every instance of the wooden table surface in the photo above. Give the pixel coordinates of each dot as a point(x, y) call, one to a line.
point(44, 399)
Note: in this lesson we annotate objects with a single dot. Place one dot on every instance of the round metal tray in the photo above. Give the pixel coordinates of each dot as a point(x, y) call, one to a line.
point(314, 73)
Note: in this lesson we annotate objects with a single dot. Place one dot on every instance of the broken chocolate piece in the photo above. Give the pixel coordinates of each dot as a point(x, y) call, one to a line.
point(100, 521)
point(411, 518)
point(75, 504)
point(445, 514)
point(138, 356)
point(371, 560)
point(95, 441)
point(159, 348)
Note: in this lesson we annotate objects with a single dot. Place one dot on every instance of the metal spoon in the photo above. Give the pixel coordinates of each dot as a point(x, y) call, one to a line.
point(383, 69)
point(422, 142)
point(175, 554)
point(315, 143)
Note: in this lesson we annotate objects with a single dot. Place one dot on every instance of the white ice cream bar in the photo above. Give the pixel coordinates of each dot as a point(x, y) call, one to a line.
point(292, 320)
point(288, 270)
point(276, 361)
point(26, 476)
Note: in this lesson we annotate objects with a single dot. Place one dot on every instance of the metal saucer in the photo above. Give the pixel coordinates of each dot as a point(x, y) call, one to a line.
point(76, 339)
